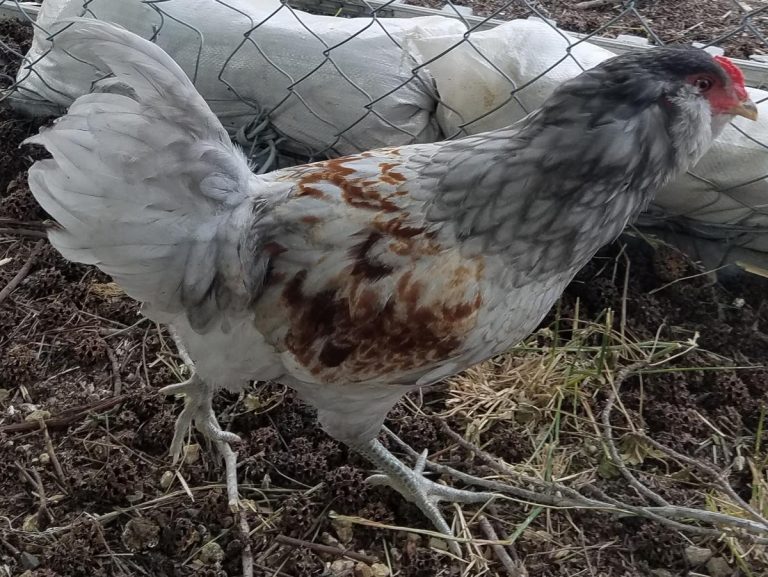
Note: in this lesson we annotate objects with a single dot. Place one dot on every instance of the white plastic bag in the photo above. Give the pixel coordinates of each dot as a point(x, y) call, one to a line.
point(247, 56)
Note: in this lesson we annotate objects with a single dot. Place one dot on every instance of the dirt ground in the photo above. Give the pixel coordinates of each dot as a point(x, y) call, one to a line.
point(720, 22)
point(96, 495)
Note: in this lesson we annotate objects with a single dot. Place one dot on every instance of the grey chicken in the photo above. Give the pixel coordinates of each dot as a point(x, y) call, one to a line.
point(358, 279)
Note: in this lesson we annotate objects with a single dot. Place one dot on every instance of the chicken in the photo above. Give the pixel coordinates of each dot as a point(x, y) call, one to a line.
point(358, 279)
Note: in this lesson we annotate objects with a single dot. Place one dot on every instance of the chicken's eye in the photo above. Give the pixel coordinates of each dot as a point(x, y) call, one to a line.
point(703, 83)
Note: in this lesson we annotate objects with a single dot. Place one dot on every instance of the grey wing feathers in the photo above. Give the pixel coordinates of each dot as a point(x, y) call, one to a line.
point(146, 185)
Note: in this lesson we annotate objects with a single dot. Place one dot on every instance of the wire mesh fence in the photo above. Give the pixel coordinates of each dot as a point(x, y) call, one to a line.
point(298, 80)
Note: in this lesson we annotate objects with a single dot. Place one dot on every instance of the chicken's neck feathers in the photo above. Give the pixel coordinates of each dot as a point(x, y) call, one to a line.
point(547, 193)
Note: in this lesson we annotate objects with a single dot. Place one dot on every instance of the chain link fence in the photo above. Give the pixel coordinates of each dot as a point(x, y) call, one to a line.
point(300, 80)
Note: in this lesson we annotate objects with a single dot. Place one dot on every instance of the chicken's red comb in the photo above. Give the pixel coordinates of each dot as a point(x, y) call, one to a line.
point(737, 76)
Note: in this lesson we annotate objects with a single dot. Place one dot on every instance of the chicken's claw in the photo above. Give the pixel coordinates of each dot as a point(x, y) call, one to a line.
point(417, 489)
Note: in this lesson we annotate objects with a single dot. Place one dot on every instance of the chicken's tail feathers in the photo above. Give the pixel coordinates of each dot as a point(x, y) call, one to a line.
point(145, 184)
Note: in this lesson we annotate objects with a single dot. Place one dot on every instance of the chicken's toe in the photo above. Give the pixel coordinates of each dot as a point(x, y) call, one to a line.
point(416, 488)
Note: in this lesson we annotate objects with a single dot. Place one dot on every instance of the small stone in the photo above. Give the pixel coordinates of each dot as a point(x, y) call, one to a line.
point(140, 534)
point(591, 448)
point(31, 524)
point(363, 570)
point(135, 497)
point(327, 539)
point(343, 530)
point(167, 479)
point(191, 454)
point(412, 542)
point(44, 458)
point(380, 570)
point(697, 555)
point(252, 403)
point(342, 567)
point(718, 567)
point(29, 561)
point(439, 544)
point(211, 553)
point(37, 415)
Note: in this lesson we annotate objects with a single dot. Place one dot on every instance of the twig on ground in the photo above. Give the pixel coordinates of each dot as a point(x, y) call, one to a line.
point(23, 271)
point(271, 572)
point(718, 476)
point(66, 418)
point(613, 451)
point(43, 514)
point(109, 333)
point(17, 222)
point(510, 547)
point(245, 539)
point(318, 548)
point(23, 232)
point(588, 4)
point(54, 459)
point(513, 570)
point(105, 518)
point(11, 549)
point(118, 386)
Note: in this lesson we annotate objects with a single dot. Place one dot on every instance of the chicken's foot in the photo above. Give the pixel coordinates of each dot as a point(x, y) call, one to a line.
point(198, 411)
point(414, 487)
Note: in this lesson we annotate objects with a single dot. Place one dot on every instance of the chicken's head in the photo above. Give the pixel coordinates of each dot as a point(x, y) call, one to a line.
point(702, 94)
point(681, 95)
point(701, 87)
point(725, 93)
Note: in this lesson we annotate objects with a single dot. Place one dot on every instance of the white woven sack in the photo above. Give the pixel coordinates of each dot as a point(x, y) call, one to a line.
point(238, 76)
point(476, 77)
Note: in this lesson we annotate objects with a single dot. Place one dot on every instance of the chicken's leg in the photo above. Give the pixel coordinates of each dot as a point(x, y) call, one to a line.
point(198, 411)
point(414, 487)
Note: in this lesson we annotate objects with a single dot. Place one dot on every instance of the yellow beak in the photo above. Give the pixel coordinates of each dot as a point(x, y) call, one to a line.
point(747, 109)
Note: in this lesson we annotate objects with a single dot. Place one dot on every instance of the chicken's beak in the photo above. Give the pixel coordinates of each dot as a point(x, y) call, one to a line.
point(747, 109)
